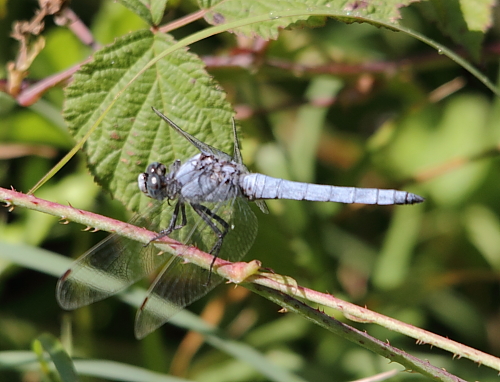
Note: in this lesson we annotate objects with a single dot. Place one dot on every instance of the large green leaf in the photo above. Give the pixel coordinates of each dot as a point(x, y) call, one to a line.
point(224, 11)
point(131, 135)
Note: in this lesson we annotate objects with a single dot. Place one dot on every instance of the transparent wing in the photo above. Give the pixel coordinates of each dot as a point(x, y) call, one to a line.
point(180, 283)
point(108, 268)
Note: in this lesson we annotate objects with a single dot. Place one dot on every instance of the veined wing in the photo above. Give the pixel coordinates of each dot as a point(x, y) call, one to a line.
point(180, 283)
point(201, 146)
point(108, 268)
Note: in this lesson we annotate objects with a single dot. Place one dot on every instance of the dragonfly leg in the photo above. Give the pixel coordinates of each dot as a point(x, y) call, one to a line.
point(208, 217)
point(172, 226)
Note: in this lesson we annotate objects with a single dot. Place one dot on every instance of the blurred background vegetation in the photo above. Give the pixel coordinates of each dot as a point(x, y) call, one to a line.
point(351, 105)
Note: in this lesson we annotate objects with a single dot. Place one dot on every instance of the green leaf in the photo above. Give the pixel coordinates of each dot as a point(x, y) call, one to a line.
point(465, 21)
point(310, 122)
point(131, 135)
point(104, 369)
point(220, 12)
point(149, 10)
point(116, 371)
point(393, 263)
point(59, 357)
point(478, 14)
point(157, 10)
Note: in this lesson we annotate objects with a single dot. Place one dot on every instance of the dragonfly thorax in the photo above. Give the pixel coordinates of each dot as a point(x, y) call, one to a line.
point(207, 178)
point(202, 178)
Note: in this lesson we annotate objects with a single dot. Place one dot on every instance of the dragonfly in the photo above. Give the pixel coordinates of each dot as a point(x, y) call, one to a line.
point(207, 197)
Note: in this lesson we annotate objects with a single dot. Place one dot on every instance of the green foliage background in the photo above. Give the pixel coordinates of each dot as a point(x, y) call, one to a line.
point(341, 104)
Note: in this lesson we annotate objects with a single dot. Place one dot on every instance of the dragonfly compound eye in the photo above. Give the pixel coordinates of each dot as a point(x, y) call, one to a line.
point(156, 168)
point(154, 187)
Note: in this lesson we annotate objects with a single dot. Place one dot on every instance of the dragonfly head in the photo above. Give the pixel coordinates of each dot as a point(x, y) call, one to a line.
point(156, 183)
